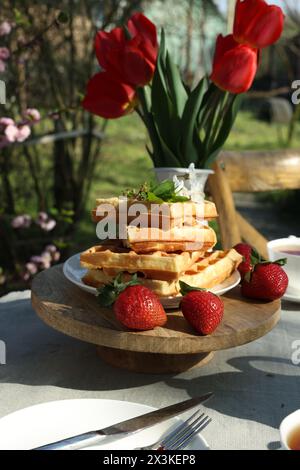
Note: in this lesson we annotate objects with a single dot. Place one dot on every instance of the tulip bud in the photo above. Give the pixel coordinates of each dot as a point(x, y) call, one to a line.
point(108, 98)
point(234, 65)
point(257, 24)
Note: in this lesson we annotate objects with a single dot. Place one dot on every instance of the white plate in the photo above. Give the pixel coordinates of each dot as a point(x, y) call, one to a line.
point(292, 296)
point(74, 273)
point(49, 422)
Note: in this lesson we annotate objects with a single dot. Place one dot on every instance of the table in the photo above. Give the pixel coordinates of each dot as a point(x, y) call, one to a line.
point(255, 385)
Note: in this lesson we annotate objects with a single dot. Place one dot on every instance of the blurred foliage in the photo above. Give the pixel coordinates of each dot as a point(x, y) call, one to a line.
point(52, 58)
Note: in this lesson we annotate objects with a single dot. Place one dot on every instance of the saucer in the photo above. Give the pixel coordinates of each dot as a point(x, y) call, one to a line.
point(292, 295)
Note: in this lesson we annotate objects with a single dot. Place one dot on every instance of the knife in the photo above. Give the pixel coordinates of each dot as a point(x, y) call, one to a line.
point(125, 427)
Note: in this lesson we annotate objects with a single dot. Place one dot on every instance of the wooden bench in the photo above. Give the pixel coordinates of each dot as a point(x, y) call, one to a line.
point(247, 172)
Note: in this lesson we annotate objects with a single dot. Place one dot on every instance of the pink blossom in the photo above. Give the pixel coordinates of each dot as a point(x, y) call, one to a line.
point(56, 256)
point(27, 220)
point(5, 28)
point(33, 114)
point(24, 133)
point(2, 66)
point(26, 276)
point(6, 121)
point(36, 259)
point(45, 264)
point(49, 225)
point(18, 222)
point(11, 133)
point(54, 253)
point(21, 221)
point(42, 217)
point(51, 249)
point(46, 256)
point(31, 268)
point(45, 222)
point(17, 134)
point(4, 53)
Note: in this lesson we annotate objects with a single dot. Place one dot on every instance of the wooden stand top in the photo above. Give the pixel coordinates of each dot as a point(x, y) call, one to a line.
point(68, 309)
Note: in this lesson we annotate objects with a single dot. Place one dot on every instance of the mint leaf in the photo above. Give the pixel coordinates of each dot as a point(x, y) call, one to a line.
point(179, 199)
point(156, 193)
point(164, 189)
point(152, 198)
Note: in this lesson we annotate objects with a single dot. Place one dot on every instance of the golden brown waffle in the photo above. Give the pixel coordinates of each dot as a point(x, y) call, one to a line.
point(172, 213)
point(146, 240)
point(197, 233)
point(113, 256)
point(171, 247)
point(208, 272)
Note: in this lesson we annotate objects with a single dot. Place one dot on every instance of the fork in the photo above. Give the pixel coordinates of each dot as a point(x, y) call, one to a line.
point(181, 436)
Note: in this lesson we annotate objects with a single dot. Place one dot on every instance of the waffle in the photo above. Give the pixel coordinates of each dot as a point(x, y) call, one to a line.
point(145, 240)
point(170, 213)
point(170, 247)
point(117, 259)
point(207, 272)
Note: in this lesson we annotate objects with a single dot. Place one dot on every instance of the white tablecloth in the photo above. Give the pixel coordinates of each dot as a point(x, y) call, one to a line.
point(255, 385)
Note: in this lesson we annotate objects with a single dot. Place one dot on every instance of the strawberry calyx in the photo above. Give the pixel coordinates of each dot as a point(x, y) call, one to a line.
point(109, 293)
point(261, 261)
point(256, 258)
point(186, 288)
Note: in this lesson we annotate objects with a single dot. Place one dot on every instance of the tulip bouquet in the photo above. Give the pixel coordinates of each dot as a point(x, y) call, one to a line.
point(185, 125)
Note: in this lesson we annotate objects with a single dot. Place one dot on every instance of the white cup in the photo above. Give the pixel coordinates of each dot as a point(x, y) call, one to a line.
point(277, 250)
point(289, 424)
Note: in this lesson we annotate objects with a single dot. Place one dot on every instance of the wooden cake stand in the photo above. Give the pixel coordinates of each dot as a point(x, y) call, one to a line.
point(174, 348)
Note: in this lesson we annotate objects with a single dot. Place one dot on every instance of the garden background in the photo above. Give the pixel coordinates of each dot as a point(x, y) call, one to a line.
point(64, 158)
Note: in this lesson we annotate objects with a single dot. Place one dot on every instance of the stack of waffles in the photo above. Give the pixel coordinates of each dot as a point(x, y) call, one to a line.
point(172, 244)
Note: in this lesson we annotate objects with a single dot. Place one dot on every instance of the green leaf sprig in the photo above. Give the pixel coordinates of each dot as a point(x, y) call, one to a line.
point(157, 193)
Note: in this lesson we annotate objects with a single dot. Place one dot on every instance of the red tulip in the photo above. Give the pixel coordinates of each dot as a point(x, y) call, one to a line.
point(129, 59)
point(257, 24)
point(108, 98)
point(140, 26)
point(234, 65)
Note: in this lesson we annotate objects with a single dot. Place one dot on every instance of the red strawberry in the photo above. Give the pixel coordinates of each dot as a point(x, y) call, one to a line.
point(202, 309)
point(268, 281)
point(135, 306)
point(138, 308)
point(245, 250)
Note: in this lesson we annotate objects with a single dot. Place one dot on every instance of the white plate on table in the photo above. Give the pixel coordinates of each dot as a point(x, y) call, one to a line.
point(49, 422)
point(74, 273)
point(292, 296)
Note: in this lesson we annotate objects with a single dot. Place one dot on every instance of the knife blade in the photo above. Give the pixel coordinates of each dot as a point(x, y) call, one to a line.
point(125, 427)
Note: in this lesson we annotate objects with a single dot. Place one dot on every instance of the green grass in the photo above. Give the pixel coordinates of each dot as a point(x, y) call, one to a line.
point(250, 134)
point(125, 162)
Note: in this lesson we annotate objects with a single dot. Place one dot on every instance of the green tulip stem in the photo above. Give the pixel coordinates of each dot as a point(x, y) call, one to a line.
point(212, 106)
point(223, 105)
point(209, 108)
point(147, 118)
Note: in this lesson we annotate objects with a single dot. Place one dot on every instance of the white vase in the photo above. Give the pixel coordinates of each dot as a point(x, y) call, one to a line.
point(193, 180)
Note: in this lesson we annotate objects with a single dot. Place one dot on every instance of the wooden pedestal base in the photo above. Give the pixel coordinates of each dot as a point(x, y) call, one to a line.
point(153, 363)
point(68, 309)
